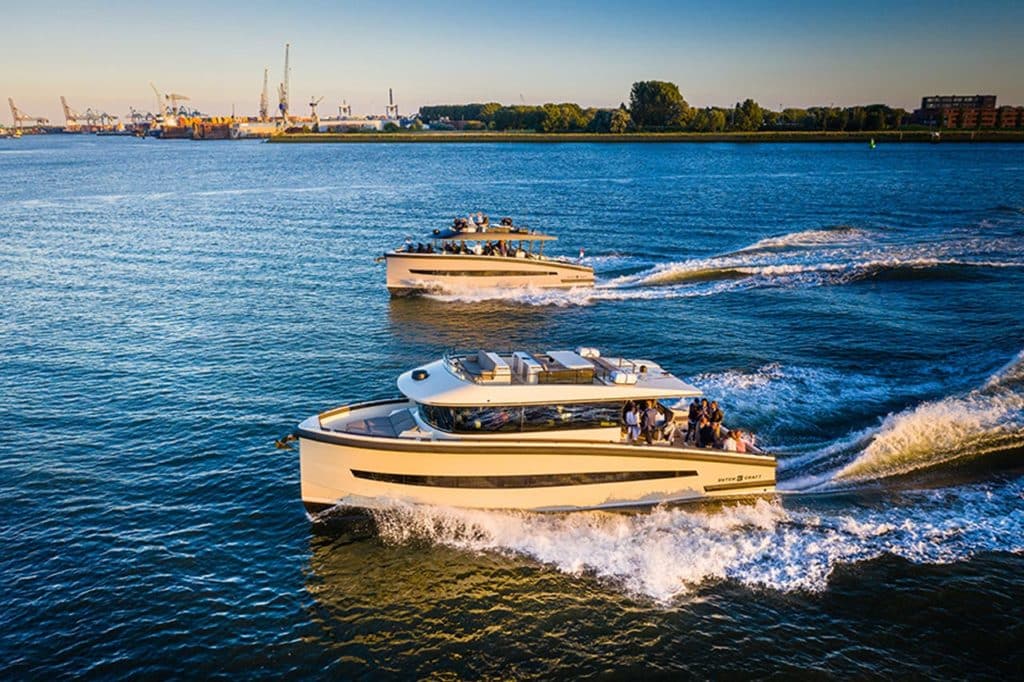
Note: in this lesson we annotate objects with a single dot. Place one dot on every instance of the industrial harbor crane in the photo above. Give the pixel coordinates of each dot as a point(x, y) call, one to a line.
point(264, 100)
point(173, 98)
point(313, 102)
point(282, 88)
point(93, 120)
point(391, 111)
point(72, 119)
point(20, 116)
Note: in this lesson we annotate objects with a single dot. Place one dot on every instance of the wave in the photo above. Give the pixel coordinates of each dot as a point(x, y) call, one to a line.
point(799, 401)
point(1006, 208)
point(840, 234)
point(783, 274)
point(579, 296)
point(933, 434)
point(809, 258)
point(671, 552)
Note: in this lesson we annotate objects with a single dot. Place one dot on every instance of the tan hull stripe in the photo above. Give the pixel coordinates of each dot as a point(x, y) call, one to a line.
point(476, 448)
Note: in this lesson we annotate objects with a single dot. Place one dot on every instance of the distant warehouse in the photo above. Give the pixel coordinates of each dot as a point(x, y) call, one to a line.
point(967, 112)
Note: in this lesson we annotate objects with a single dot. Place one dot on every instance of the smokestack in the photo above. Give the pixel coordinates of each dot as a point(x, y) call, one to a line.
point(391, 97)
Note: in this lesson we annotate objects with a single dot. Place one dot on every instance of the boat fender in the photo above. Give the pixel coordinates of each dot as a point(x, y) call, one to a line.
point(420, 374)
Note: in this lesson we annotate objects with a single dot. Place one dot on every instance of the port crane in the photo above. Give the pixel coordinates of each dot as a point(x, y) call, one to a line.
point(282, 88)
point(172, 97)
point(264, 100)
point(313, 102)
point(20, 116)
point(391, 111)
point(345, 110)
point(92, 119)
point(72, 118)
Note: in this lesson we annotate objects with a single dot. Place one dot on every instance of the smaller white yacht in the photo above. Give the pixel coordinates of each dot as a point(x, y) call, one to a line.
point(475, 254)
point(542, 431)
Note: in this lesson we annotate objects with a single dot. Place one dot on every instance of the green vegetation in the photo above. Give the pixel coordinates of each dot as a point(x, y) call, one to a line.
point(659, 106)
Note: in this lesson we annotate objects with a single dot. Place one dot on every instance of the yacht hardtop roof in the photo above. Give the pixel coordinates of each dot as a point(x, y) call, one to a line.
point(483, 378)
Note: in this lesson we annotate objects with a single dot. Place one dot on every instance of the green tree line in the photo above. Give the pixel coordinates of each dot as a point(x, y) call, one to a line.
point(658, 106)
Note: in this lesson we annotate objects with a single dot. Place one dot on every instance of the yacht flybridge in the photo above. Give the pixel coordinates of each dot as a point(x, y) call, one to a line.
point(474, 254)
point(534, 431)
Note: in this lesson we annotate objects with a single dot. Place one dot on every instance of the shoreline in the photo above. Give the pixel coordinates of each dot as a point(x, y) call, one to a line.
point(454, 137)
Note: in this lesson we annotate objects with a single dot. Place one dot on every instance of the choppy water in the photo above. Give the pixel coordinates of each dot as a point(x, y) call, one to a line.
point(168, 309)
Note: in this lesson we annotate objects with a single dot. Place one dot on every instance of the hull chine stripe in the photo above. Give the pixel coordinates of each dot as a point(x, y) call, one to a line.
point(520, 481)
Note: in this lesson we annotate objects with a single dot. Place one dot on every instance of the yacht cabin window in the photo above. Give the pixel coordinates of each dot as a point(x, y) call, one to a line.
point(521, 418)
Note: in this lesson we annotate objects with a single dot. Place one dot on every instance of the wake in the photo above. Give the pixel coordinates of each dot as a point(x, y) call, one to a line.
point(671, 553)
point(959, 428)
point(809, 258)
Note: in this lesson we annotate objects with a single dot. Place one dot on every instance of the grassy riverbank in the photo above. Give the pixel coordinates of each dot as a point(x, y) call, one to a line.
point(880, 137)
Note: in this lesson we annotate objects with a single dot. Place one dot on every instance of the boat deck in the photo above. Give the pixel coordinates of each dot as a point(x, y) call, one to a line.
point(390, 426)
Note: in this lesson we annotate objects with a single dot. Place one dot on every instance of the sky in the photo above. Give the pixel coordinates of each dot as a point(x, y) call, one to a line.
point(779, 52)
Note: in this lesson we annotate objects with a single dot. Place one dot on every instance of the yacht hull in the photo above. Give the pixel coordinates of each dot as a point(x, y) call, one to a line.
point(417, 273)
point(531, 475)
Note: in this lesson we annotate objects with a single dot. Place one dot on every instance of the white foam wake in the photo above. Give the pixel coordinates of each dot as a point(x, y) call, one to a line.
point(809, 238)
point(670, 552)
point(983, 421)
point(802, 259)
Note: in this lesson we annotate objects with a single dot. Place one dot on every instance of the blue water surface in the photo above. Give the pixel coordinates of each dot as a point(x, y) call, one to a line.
point(168, 309)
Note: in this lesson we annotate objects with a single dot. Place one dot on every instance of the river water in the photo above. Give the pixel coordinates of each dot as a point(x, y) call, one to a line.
point(168, 309)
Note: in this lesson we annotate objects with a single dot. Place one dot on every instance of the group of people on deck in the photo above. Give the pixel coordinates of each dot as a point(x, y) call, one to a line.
point(498, 248)
point(477, 222)
point(704, 428)
point(642, 419)
point(652, 421)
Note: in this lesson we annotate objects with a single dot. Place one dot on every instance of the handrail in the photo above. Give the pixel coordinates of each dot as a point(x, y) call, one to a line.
point(334, 412)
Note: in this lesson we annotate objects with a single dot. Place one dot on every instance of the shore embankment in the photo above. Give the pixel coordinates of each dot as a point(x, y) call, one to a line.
point(884, 136)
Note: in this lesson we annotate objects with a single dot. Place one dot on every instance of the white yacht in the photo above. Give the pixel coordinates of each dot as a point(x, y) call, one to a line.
point(474, 254)
point(534, 431)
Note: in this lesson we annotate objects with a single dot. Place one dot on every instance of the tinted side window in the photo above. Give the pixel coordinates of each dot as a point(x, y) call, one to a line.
point(571, 416)
point(512, 419)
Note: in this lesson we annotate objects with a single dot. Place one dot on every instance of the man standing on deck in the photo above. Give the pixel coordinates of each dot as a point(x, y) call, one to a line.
point(716, 417)
point(650, 421)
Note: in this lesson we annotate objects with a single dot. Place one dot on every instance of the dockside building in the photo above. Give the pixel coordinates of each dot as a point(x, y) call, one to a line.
point(967, 112)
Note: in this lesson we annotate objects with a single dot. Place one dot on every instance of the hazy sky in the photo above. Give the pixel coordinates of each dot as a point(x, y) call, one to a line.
point(104, 54)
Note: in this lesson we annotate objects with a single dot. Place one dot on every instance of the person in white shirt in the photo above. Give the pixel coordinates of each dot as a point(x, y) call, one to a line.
point(632, 423)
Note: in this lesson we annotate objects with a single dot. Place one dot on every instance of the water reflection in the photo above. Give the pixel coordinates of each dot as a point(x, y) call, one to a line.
point(492, 324)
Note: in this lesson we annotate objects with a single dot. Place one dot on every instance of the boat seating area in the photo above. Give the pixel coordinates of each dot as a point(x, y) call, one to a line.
point(391, 426)
point(552, 367)
point(487, 368)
